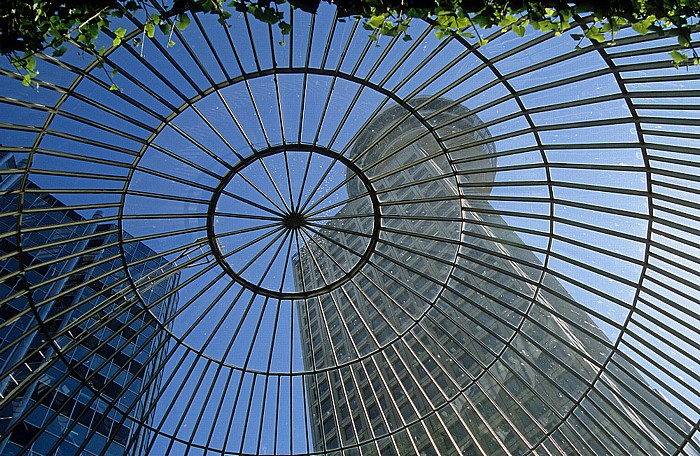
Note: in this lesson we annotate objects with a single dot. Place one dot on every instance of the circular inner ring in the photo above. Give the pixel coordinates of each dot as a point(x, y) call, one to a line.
point(282, 216)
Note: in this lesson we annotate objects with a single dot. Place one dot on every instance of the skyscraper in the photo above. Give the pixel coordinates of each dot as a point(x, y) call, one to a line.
point(451, 339)
point(79, 355)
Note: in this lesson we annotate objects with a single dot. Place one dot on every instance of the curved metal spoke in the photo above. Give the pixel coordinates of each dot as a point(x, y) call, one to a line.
point(350, 246)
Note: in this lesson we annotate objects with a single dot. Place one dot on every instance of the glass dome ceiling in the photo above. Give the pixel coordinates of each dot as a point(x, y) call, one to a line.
point(323, 244)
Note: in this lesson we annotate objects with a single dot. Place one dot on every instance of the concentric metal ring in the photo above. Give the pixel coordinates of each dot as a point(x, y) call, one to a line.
point(292, 214)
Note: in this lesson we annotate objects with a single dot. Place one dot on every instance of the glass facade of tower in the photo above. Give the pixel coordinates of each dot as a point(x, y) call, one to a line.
point(450, 262)
point(82, 381)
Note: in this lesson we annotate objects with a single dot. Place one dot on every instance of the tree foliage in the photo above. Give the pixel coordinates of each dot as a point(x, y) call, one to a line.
point(31, 26)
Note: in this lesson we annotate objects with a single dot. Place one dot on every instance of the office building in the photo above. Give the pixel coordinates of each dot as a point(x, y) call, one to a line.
point(89, 388)
point(449, 341)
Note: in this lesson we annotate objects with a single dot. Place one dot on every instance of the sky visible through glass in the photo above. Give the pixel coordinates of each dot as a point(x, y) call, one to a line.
point(231, 155)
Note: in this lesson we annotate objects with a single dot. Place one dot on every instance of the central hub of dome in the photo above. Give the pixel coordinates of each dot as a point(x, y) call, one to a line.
point(293, 220)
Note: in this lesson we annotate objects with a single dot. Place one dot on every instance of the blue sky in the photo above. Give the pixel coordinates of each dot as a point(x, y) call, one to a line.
point(601, 210)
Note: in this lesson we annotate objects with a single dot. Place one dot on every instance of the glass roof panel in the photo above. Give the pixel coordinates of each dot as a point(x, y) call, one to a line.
point(323, 244)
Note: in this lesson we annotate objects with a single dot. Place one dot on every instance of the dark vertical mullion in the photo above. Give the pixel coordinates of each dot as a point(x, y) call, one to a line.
point(274, 257)
point(262, 413)
point(274, 184)
point(215, 302)
point(320, 181)
point(212, 48)
point(321, 310)
point(274, 336)
point(237, 397)
point(166, 55)
point(348, 299)
point(219, 408)
point(312, 215)
point(280, 232)
point(323, 66)
point(252, 183)
point(292, 207)
point(277, 416)
point(253, 385)
point(303, 180)
point(368, 279)
point(275, 77)
point(305, 79)
point(247, 82)
point(218, 134)
point(306, 406)
point(202, 371)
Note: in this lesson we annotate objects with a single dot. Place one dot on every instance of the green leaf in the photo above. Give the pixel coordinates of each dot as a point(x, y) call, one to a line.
point(594, 34)
point(183, 20)
point(114, 72)
point(113, 87)
point(407, 37)
point(376, 22)
point(30, 63)
point(150, 29)
point(116, 41)
point(678, 57)
point(120, 32)
point(60, 51)
point(640, 27)
point(171, 43)
point(26, 80)
point(507, 20)
point(285, 27)
point(519, 30)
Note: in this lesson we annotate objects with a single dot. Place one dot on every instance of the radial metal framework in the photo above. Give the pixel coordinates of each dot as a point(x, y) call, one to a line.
point(323, 244)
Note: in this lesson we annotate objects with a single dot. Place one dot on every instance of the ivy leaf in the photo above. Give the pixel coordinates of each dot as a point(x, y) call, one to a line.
point(594, 34)
point(678, 58)
point(376, 22)
point(59, 52)
point(519, 30)
point(26, 80)
point(30, 64)
point(640, 27)
point(440, 34)
point(150, 29)
point(113, 87)
point(285, 27)
point(119, 35)
point(183, 20)
point(507, 20)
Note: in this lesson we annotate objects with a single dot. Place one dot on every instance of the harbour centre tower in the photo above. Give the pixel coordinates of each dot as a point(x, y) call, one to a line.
point(440, 331)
